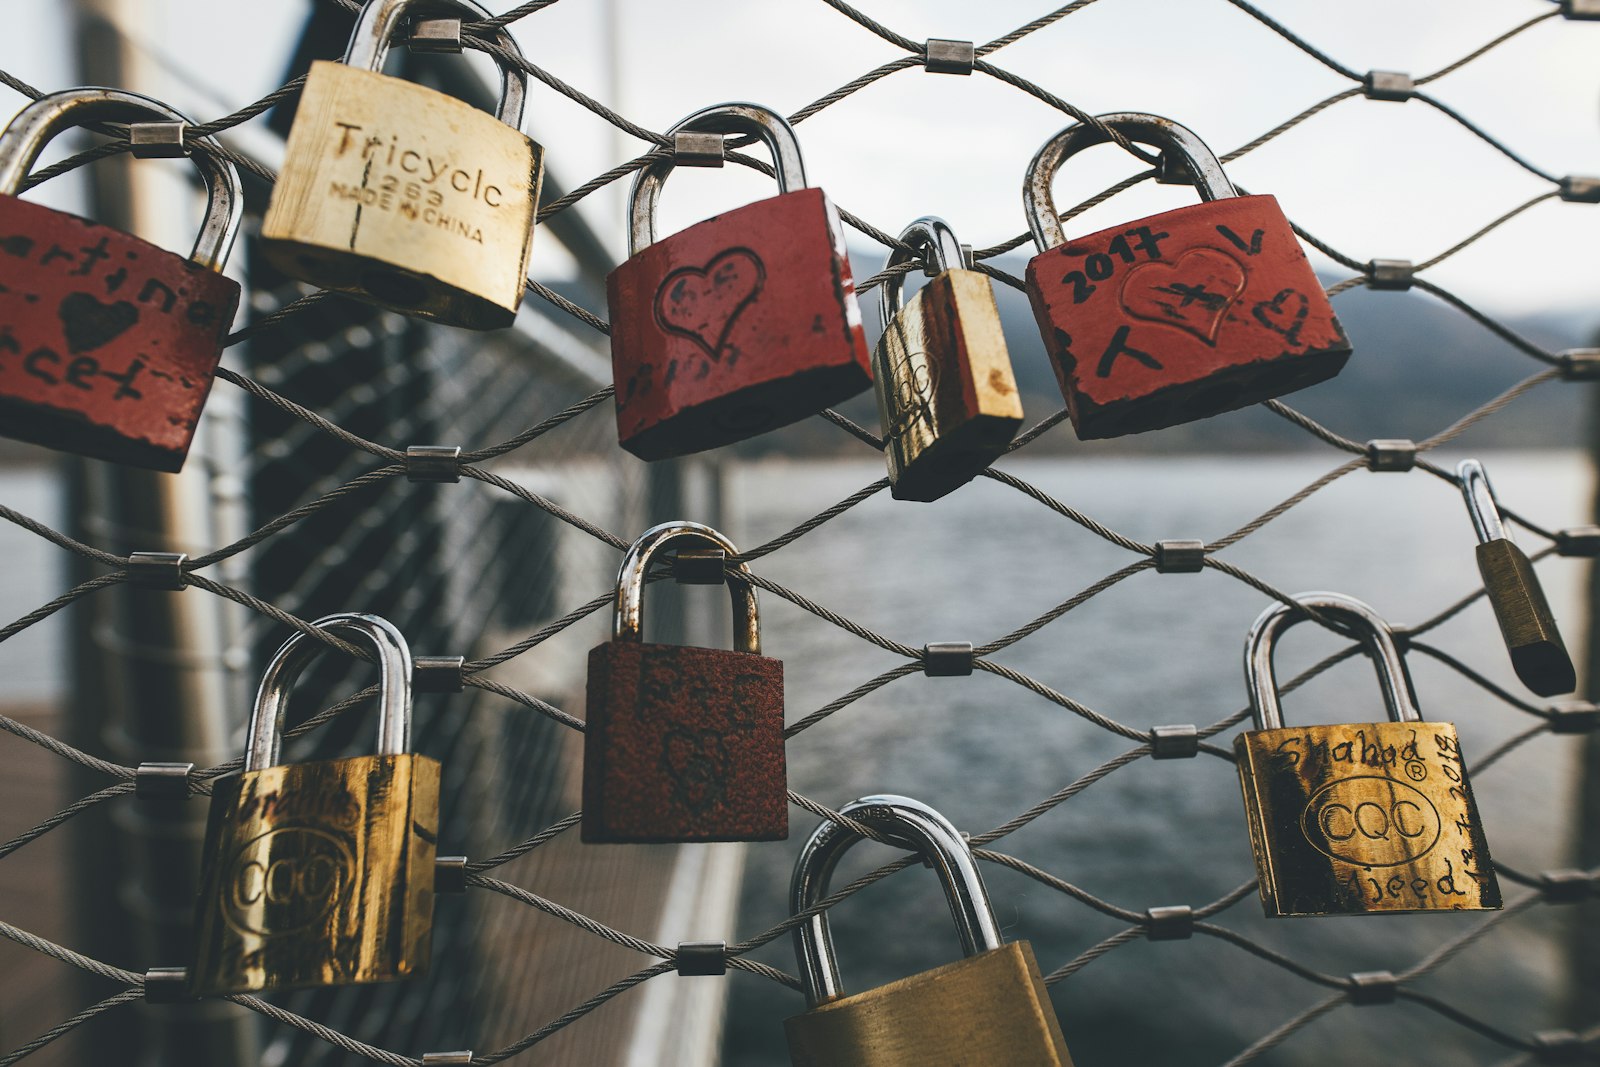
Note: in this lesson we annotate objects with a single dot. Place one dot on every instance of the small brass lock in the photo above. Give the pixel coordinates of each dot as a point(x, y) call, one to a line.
point(987, 1010)
point(1360, 818)
point(946, 394)
point(320, 874)
point(1538, 654)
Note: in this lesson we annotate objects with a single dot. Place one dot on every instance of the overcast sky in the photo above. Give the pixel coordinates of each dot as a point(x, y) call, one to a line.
point(1373, 179)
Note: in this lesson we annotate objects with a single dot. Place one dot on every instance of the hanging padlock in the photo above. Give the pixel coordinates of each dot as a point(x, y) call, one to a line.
point(946, 394)
point(1359, 818)
point(108, 343)
point(741, 323)
point(320, 874)
point(1181, 315)
point(683, 743)
point(402, 195)
point(989, 1009)
point(1538, 654)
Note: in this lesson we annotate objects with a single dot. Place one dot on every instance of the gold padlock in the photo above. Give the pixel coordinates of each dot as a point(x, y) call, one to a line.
point(320, 874)
point(987, 1010)
point(402, 195)
point(946, 395)
point(1359, 818)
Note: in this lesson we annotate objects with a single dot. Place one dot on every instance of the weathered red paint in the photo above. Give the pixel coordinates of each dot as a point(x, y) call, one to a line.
point(1183, 315)
point(683, 744)
point(735, 326)
point(108, 344)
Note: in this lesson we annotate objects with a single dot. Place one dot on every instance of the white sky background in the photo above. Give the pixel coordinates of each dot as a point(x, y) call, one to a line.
point(1373, 179)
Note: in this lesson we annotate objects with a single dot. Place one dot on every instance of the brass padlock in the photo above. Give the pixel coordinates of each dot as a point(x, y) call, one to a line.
point(320, 874)
point(402, 195)
point(1538, 654)
point(946, 395)
point(987, 1010)
point(1359, 818)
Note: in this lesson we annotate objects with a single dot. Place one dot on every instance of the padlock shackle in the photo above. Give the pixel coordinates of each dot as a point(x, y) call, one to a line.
point(931, 235)
point(38, 124)
point(1399, 696)
point(909, 824)
point(754, 119)
point(1481, 503)
point(1137, 126)
point(627, 621)
point(381, 20)
point(293, 656)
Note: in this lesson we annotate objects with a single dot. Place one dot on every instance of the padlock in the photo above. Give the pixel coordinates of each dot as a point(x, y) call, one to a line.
point(320, 874)
point(989, 1009)
point(1538, 654)
point(108, 343)
point(1360, 818)
point(402, 195)
point(741, 323)
point(1181, 315)
point(946, 395)
point(682, 743)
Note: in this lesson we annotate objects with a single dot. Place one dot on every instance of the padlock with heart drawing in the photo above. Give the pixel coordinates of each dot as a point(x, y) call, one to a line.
point(1181, 315)
point(739, 324)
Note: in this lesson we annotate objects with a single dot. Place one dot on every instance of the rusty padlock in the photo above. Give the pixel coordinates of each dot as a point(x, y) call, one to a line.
point(1538, 654)
point(682, 743)
point(320, 874)
point(108, 343)
point(990, 1009)
point(741, 323)
point(946, 395)
point(402, 195)
point(1360, 818)
point(1181, 315)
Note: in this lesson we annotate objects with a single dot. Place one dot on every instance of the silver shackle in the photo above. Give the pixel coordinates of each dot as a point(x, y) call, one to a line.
point(381, 20)
point(1365, 624)
point(627, 620)
point(1481, 504)
point(37, 124)
point(909, 824)
point(934, 237)
point(763, 122)
point(1136, 126)
point(394, 686)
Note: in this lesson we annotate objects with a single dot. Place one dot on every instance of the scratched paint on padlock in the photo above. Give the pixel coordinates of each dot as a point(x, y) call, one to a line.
point(1376, 817)
point(108, 344)
point(1183, 315)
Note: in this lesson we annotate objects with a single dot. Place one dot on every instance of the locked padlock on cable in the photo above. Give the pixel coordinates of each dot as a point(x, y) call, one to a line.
point(1360, 818)
point(108, 343)
point(989, 1009)
point(741, 323)
point(1181, 315)
point(1538, 654)
point(321, 874)
point(402, 195)
point(946, 395)
point(683, 743)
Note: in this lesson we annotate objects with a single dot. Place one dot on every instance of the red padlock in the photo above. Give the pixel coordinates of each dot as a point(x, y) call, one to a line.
point(739, 324)
point(1181, 315)
point(108, 344)
point(681, 743)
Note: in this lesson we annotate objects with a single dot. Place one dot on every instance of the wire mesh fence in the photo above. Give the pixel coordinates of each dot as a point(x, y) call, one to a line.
point(489, 567)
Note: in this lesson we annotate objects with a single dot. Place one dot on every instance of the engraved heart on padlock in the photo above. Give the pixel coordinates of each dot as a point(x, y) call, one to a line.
point(697, 763)
point(88, 324)
point(1192, 293)
point(703, 303)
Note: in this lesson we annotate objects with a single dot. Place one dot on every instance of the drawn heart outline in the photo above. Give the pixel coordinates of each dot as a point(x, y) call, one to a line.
point(1192, 293)
point(1269, 312)
point(88, 324)
point(703, 303)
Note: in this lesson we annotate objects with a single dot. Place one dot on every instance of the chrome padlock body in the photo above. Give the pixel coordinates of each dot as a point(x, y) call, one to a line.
point(947, 398)
point(320, 874)
point(989, 1009)
point(1181, 315)
point(1361, 818)
point(404, 196)
point(108, 343)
